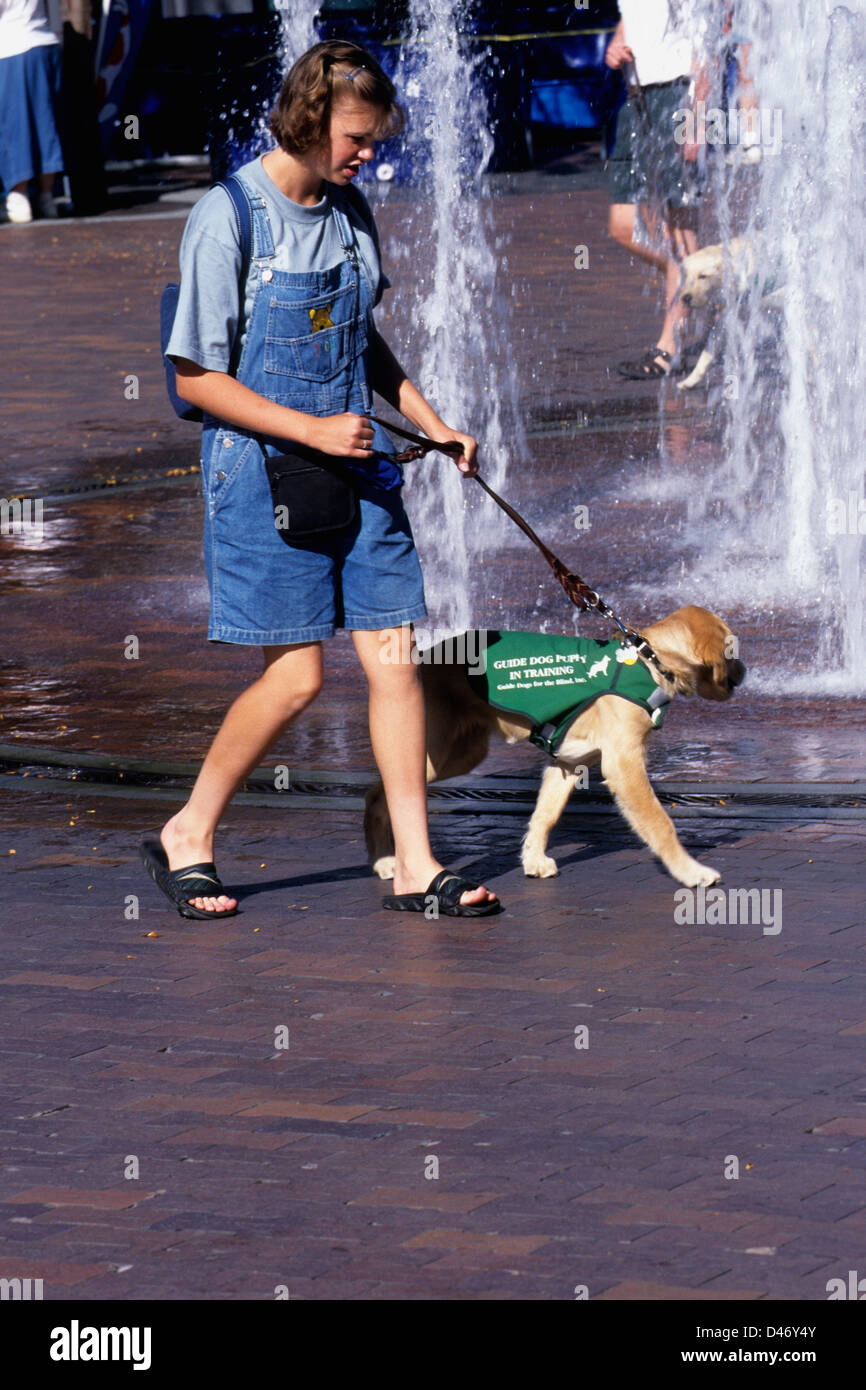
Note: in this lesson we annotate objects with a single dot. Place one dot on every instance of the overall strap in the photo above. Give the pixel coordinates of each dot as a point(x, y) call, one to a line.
point(345, 229)
point(349, 243)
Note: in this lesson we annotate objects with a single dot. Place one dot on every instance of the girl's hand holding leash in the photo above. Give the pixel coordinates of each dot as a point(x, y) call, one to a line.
point(342, 436)
point(618, 52)
point(461, 447)
point(467, 462)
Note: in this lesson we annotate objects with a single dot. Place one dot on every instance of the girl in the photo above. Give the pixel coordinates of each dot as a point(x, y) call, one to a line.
point(293, 361)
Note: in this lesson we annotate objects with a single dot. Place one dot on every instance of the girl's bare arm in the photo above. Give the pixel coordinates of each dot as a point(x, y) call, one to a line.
point(220, 395)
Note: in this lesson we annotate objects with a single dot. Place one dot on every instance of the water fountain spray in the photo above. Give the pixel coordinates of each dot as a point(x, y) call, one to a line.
point(297, 27)
point(460, 318)
point(785, 515)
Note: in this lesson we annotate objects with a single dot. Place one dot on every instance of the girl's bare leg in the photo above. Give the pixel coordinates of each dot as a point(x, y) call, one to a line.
point(291, 680)
point(398, 735)
point(679, 240)
point(621, 225)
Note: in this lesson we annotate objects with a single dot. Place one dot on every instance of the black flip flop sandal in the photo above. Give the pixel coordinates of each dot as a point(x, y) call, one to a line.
point(647, 368)
point(178, 885)
point(446, 891)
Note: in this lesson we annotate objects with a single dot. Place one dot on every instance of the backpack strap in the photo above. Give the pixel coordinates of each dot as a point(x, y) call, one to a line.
point(240, 201)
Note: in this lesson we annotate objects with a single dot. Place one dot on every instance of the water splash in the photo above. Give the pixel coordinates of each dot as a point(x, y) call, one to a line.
point(458, 268)
point(297, 27)
point(788, 496)
point(247, 133)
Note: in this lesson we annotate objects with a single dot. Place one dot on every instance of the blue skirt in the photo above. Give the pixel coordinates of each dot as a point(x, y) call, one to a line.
point(29, 93)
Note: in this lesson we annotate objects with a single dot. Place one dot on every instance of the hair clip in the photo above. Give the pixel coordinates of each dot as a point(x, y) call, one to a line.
point(350, 76)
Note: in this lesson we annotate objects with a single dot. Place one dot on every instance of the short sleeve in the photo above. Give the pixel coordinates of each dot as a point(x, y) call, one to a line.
point(208, 309)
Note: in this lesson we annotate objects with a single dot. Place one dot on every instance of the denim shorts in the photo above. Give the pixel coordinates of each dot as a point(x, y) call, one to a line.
point(646, 163)
point(264, 592)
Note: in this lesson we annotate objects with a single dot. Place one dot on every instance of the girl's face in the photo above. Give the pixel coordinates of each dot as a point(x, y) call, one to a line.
point(354, 124)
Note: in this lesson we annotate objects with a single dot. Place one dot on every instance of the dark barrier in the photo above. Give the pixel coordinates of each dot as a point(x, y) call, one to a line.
point(208, 81)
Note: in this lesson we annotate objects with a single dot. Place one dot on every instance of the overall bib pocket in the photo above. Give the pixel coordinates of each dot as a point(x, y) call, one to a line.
point(315, 336)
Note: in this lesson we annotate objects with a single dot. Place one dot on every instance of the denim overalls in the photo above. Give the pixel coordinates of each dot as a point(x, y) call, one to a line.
point(306, 346)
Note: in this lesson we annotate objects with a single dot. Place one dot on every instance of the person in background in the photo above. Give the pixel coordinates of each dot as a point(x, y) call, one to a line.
point(746, 94)
point(29, 92)
point(646, 166)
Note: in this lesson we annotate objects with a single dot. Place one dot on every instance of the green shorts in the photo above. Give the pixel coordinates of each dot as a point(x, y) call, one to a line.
point(646, 164)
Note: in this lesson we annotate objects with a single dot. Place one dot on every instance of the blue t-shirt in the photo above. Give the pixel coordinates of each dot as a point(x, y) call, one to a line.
point(305, 239)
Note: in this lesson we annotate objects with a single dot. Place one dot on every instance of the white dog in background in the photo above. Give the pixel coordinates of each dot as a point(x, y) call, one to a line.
point(703, 282)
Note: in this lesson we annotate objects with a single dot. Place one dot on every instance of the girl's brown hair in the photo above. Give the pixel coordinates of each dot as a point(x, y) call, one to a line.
point(301, 117)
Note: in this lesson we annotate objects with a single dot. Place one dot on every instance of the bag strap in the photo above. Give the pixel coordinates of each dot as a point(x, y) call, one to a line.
point(240, 201)
point(243, 216)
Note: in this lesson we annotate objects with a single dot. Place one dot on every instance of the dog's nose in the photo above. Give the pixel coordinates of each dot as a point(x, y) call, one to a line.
point(686, 299)
point(736, 674)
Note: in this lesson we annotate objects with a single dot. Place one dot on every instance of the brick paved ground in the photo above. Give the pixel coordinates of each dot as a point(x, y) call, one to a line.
point(602, 1165)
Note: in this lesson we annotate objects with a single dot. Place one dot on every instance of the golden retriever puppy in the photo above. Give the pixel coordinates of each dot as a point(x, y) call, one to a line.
point(703, 270)
point(702, 279)
point(695, 647)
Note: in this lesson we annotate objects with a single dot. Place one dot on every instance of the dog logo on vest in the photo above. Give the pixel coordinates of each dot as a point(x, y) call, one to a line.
point(599, 669)
point(321, 318)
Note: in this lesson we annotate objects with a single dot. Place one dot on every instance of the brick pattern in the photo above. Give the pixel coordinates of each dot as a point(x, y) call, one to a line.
point(409, 1041)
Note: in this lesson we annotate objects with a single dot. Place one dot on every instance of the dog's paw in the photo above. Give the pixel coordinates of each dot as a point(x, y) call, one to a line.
point(539, 866)
point(699, 875)
point(689, 382)
point(384, 867)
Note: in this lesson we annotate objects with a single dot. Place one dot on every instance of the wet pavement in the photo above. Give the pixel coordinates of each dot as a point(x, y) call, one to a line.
point(141, 1035)
point(120, 552)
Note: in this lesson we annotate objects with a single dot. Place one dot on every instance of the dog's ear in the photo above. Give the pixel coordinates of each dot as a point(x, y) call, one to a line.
point(721, 671)
point(697, 647)
point(714, 662)
point(672, 641)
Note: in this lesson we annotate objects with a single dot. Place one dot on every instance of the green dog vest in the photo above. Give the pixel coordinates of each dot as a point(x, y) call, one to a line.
point(552, 679)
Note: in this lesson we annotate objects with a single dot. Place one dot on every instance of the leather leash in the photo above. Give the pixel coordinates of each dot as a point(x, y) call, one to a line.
point(578, 591)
